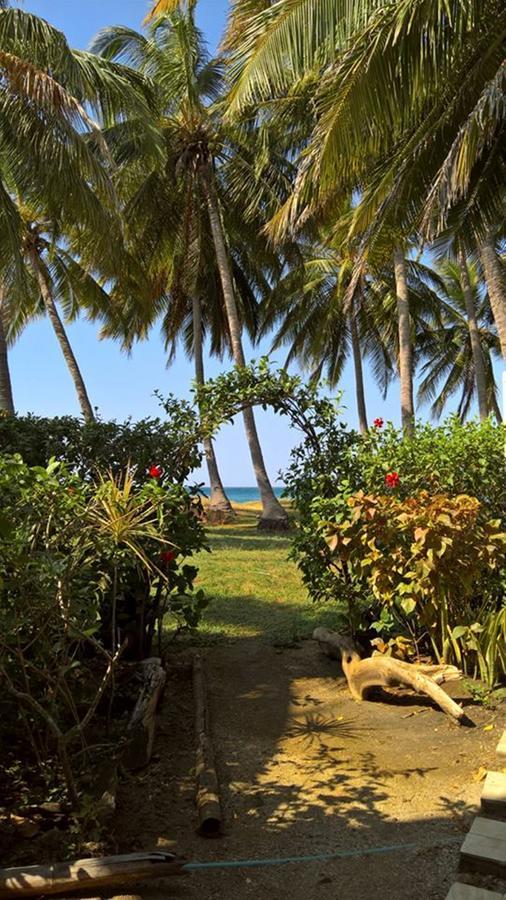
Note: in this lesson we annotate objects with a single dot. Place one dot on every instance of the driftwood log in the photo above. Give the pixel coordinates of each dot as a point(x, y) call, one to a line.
point(384, 671)
point(208, 791)
point(142, 724)
point(87, 874)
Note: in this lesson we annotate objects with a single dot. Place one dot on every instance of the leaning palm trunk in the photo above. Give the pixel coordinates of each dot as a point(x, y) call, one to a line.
point(6, 399)
point(495, 408)
point(359, 373)
point(273, 514)
point(61, 335)
point(220, 508)
point(405, 348)
point(496, 287)
point(474, 335)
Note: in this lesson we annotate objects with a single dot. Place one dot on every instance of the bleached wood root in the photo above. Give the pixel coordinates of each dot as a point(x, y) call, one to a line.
point(384, 671)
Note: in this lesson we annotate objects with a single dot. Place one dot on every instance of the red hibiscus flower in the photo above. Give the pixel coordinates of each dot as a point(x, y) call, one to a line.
point(378, 423)
point(168, 556)
point(392, 480)
point(155, 471)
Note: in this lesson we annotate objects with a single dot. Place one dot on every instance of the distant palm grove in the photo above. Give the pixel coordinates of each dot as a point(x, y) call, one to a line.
point(334, 178)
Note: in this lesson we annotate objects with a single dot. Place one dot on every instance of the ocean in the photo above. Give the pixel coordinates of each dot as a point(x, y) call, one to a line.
point(244, 494)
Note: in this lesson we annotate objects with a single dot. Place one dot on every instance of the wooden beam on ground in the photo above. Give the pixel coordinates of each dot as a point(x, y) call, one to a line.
point(88, 874)
point(493, 798)
point(208, 791)
point(484, 848)
point(141, 727)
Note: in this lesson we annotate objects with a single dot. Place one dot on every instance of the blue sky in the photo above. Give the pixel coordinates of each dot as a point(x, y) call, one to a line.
point(121, 385)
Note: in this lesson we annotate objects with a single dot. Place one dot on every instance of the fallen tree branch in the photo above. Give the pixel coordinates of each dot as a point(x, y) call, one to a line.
point(208, 791)
point(384, 671)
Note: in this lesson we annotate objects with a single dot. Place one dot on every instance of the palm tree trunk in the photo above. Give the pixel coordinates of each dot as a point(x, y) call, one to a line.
point(496, 286)
point(405, 361)
point(61, 335)
point(474, 335)
point(273, 514)
point(6, 399)
point(495, 408)
point(220, 508)
point(359, 373)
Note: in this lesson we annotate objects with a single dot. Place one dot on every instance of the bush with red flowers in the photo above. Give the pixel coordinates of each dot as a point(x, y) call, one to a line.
point(88, 571)
point(168, 556)
point(453, 459)
point(156, 447)
point(421, 557)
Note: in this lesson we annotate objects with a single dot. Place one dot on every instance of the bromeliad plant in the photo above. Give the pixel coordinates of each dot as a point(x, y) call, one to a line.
point(141, 533)
point(422, 555)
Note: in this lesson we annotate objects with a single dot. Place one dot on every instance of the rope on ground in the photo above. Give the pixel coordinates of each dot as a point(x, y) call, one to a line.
point(317, 857)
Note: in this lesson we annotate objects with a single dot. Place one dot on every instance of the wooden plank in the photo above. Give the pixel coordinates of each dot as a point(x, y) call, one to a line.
point(470, 892)
point(87, 874)
point(501, 748)
point(493, 798)
point(484, 849)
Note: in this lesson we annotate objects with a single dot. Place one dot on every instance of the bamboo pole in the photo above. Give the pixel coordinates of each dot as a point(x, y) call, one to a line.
point(208, 791)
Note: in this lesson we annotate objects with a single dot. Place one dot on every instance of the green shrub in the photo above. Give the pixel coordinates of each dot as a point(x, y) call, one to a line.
point(91, 448)
point(422, 556)
point(87, 571)
point(452, 458)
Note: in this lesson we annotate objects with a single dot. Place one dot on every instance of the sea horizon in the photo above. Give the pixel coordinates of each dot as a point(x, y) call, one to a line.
point(243, 494)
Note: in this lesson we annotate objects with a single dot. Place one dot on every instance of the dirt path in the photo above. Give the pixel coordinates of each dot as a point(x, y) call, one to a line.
point(305, 770)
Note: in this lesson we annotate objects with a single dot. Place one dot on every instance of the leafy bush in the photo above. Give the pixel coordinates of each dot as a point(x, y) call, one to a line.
point(422, 555)
point(90, 448)
point(452, 458)
point(87, 570)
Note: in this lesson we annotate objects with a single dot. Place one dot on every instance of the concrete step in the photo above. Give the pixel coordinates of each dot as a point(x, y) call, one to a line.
point(501, 748)
point(484, 849)
point(469, 892)
point(493, 798)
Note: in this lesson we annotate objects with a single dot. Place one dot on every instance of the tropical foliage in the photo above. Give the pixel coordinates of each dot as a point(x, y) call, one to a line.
point(422, 556)
point(87, 572)
point(332, 181)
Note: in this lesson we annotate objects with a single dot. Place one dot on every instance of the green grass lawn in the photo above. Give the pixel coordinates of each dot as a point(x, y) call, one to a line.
point(255, 591)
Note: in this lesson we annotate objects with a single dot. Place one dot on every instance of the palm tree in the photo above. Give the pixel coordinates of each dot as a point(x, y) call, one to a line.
point(420, 134)
point(474, 335)
point(447, 343)
point(53, 273)
point(495, 277)
point(6, 399)
point(405, 351)
point(309, 309)
point(196, 149)
point(420, 131)
point(53, 152)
